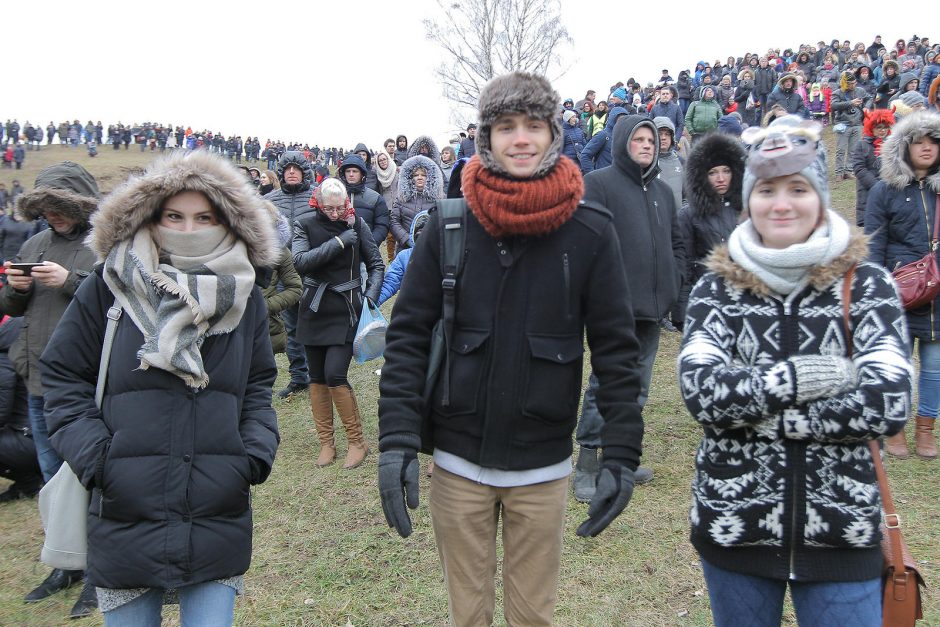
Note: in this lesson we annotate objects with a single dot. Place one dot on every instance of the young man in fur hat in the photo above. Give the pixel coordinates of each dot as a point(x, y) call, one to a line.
point(540, 267)
point(65, 195)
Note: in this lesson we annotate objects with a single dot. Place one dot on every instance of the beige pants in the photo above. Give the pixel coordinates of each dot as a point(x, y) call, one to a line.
point(465, 516)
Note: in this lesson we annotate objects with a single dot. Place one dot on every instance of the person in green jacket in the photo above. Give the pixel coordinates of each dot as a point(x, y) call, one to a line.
point(702, 116)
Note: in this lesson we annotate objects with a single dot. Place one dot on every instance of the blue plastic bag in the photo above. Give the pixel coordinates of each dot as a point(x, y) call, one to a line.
point(369, 342)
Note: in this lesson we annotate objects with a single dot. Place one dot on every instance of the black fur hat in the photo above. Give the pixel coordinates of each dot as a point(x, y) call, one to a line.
point(713, 150)
point(519, 92)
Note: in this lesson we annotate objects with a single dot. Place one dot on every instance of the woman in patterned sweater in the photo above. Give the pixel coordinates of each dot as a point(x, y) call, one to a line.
point(784, 492)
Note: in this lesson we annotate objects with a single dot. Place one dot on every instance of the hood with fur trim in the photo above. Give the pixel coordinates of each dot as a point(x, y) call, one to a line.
point(785, 77)
point(433, 187)
point(424, 141)
point(821, 277)
point(519, 92)
point(65, 188)
point(712, 150)
point(136, 203)
point(896, 169)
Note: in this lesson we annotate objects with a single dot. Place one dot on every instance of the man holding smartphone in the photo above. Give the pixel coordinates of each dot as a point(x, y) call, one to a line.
point(66, 195)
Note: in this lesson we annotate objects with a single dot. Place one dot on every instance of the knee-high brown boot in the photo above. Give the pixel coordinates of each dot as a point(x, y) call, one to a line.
point(896, 445)
point(348, 409)
point(321, 402)
point(924, 443)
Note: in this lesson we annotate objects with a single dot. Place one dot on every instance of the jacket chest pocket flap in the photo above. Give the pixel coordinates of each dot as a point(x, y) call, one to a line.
point(553, 384)
point(467, 363)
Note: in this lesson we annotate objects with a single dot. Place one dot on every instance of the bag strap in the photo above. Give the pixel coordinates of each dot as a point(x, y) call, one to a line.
point(892, 522)
point(453, 238)
point(936, 226)
point(114, 315)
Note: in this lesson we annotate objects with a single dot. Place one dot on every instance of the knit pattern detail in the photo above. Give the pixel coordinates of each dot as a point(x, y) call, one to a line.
point(529, 207)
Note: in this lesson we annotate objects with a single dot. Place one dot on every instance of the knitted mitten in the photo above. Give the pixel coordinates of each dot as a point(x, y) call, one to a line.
point(821, 376)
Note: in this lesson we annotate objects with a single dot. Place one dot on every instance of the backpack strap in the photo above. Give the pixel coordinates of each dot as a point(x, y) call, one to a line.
point(453, 241)
point(114, 315)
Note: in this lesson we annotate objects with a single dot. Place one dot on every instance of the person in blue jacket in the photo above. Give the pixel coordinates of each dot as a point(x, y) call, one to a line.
point(596, 154)
point(396, 270)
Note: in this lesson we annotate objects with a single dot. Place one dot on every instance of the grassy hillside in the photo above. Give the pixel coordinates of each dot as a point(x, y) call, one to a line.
point(323, 554)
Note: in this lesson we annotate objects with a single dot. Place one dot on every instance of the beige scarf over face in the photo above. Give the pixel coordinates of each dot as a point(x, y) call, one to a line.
point(199, 286)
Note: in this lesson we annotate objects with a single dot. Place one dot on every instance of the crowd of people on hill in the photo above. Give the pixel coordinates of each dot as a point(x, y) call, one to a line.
point(699, 205)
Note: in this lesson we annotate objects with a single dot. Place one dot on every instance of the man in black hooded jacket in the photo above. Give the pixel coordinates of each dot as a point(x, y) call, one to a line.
point(293, 201)
point(645, 218)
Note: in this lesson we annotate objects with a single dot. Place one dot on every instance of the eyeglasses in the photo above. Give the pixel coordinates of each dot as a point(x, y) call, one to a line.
point(332, 210)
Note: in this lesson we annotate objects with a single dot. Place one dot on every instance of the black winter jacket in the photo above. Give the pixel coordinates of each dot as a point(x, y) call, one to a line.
point(899, 214)
point(645, 220)
point(522, 305)
point(323, 264)
point(13, 404)
point(865, 166)
point(168, 465)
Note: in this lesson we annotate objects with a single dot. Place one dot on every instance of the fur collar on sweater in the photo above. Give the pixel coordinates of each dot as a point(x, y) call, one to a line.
point(821, 277)
point(896, 170)
point(136, 203)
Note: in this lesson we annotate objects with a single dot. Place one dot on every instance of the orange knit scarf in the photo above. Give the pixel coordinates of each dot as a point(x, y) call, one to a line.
point(530, 207)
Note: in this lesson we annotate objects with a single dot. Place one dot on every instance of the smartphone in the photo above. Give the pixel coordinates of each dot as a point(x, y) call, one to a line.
point(27, 268)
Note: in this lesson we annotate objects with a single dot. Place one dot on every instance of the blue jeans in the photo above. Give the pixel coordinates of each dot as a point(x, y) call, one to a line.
point(928, 382)
point(588, 432)
point(209, 604)
point(49, 460)
point(738, 599)
point(296, 354)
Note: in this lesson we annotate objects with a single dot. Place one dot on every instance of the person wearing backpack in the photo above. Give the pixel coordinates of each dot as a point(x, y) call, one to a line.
point(537, 267)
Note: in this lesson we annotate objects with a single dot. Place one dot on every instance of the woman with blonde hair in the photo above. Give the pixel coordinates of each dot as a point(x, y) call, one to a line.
point(328, 246)
point(269, 182)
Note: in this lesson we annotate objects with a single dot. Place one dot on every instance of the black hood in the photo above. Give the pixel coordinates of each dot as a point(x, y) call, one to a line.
point(360, 147)
point(712, 150)
point(624, 129)
point(294, 157)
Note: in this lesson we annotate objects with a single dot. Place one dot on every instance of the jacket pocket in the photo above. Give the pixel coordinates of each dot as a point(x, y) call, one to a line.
point(553, 384)
point(467, 357)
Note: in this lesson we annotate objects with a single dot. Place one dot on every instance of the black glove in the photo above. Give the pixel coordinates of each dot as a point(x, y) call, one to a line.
point(398, 478)
point(349, 237)
point(614, 489)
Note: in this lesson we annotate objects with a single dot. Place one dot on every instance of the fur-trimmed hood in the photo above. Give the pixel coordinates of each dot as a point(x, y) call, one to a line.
point(421, 141)
point(712, 150)
point(785, 76)
point(821, 277)
point(65, 188)
point(896, 169)
point(137, 202)
point(433, 188)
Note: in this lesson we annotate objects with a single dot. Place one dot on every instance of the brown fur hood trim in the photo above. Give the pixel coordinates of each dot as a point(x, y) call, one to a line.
point(821, 277)
point(896, 169)
point(65, 188)
point(136, 203)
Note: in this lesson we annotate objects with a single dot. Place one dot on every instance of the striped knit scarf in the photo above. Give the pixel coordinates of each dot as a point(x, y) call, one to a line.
point(199, 287)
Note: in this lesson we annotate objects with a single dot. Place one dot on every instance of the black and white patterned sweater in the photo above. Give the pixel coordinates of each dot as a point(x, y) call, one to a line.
point(781, 489)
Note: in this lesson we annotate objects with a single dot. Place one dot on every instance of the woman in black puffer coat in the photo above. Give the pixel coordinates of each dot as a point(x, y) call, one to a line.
point(328, 246)
point(714, 174)
point(866, 157)
point(899, 217)
point(186, 424)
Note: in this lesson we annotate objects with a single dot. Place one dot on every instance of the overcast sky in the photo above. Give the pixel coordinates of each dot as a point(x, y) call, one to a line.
point(337, 73)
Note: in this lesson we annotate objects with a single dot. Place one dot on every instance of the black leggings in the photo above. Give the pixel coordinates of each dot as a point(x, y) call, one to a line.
point(329, 364)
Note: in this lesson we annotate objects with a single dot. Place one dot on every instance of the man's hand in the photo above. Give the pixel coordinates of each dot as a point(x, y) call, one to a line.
point(17, 279)
point(614, 489)
point(51, 274)
point(398, 480)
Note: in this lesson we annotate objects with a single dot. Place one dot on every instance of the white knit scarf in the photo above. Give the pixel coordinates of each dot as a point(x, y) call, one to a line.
point(387, 175)
point(199, 287)
point(787, 269)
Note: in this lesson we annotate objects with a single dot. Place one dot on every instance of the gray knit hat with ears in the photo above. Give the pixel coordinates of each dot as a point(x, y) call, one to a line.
point(519, 92)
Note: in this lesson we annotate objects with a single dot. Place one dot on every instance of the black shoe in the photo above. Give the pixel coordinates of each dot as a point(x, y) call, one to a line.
point(87, 602)
point(292, 388)
point(20, 490)
point(57, 580)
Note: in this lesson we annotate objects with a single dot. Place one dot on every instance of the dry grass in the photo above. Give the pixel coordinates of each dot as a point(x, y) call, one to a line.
point(323, 554)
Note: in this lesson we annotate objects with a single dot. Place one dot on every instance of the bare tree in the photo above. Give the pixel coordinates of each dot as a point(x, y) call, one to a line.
point(485, 38)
